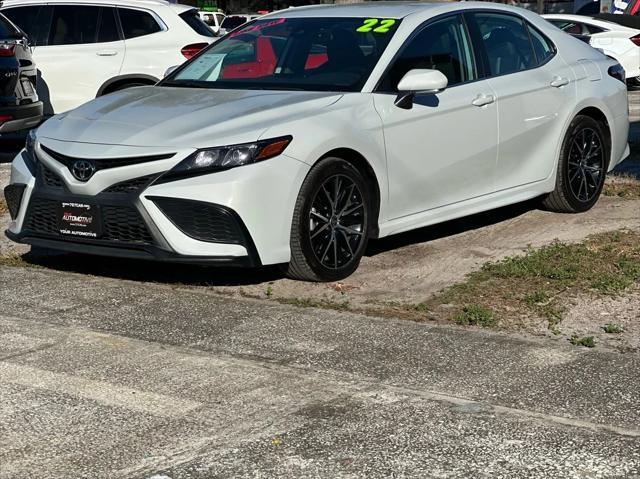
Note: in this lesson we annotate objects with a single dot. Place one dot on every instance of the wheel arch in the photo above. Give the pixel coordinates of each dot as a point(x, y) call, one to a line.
point(112, 83)
point(599, 116)
point(361, 164)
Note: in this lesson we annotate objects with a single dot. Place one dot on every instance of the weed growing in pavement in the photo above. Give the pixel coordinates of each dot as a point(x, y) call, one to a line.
point(612, 328)
point(475, 315)
point(586, 341)
point(269, 292)
point(4, 209)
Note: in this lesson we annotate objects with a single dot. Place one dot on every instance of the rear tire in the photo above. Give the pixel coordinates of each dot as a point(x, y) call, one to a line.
point(331, 223)
point(582, 166)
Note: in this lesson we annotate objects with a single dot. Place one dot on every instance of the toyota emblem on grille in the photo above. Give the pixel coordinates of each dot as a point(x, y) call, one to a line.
point(83, 170)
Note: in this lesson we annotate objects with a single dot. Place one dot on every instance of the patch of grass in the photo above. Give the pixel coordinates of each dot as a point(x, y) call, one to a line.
point(612, 328)
point(419, 308)
point(586, 341)
point(622, 186)
point(4, 209)
point(611, 284)
point(540, 281)
point(536, 298)
point(16, 260)
point(269, 291)
point(475, 315)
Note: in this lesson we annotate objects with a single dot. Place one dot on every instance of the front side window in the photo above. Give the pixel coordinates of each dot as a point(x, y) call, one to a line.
point(506, 42)
point(73, 25)
point(136, 23)
point(444, 46)
point(312, 54)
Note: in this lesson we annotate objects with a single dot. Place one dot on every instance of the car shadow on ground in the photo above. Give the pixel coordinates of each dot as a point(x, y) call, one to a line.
point(194, 275)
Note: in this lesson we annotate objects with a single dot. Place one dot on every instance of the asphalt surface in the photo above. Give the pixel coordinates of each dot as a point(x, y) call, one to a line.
point(106, 378)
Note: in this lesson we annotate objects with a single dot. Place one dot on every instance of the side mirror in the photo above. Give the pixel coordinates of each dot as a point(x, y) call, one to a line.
point(170, 70)
point(419, 81)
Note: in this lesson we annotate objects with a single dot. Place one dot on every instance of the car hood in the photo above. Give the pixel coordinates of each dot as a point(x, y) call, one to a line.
point(182, 117)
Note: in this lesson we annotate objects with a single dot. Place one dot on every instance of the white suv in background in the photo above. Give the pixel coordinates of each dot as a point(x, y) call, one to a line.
point(88, 48)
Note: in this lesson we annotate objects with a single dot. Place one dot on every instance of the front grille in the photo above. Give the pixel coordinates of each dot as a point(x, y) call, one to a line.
point(104, 163)
point(119, 223)
point(132, 186)
point(49, 178)
point(43, 216)
point(202, 221)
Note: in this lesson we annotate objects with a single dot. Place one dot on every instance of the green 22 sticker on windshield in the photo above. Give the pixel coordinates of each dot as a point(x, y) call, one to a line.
point(376, 25)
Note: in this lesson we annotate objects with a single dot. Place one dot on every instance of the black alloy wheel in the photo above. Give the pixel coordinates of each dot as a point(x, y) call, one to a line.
point(331, 222)
point(582, 167)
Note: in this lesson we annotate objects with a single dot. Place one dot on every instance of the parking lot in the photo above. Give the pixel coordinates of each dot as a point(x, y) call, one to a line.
point(112, 368)
point(501, 344)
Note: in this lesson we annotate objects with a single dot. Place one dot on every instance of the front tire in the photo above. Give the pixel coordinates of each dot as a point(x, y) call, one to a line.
point(582, 167)
point(331, 222)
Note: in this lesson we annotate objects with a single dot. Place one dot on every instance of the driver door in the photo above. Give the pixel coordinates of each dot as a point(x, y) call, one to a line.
point(443, 150)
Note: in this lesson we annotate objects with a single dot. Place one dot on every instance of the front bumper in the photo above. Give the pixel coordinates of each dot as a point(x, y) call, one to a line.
point(240, 217)
point(132, 251)
point(24, 117)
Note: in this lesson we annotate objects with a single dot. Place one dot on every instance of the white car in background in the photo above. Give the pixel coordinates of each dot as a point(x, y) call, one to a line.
point(295, 139)
point(616, 41)
point(88, 48)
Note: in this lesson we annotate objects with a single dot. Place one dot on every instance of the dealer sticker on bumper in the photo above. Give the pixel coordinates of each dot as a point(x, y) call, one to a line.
point(79, 219)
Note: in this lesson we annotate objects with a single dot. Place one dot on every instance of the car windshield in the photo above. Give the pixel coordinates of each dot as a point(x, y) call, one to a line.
point(312, 54)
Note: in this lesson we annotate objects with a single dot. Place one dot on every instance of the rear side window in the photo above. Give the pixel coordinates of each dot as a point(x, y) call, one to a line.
point(506, 41)
point(572, 28)
point(593, 29)
point(136, 23)
point(542, 46)
point(107, 26)
point(7, 30)
point(33, 20)
point(192, 19)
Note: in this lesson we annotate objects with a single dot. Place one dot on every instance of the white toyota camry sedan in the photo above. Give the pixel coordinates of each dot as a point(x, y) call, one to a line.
point(303, 134)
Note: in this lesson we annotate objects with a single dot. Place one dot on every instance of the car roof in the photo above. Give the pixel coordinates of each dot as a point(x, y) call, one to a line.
point(132, 3)
point(386, 9)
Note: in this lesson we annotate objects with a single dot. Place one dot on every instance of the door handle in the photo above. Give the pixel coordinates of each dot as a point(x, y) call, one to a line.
point(107, 53)
point(483, 99)
point(557, 82)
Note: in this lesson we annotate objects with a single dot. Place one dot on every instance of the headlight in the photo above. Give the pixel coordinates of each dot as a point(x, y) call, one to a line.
point(222, 158)
point(30, 147)
point(30, 144)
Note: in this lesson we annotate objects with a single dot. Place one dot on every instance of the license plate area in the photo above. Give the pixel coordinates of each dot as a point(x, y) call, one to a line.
point(27, 87)
point(79, 219)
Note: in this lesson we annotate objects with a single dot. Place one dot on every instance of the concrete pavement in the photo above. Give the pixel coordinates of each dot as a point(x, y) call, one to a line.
point(119, 379)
